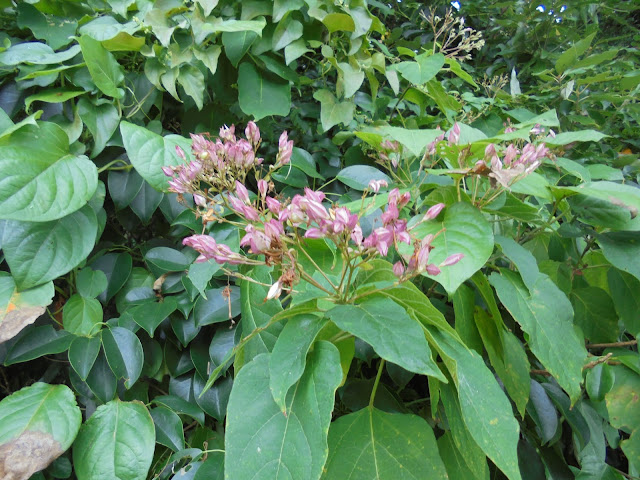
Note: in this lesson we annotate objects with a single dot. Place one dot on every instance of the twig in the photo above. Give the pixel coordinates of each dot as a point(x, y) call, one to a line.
point(628, 343)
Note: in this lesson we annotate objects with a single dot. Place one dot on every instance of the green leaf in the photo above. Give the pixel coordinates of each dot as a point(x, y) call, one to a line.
point(261, 442)
point(622, 249)
point(543, 412)
point(55, 31)
point(333, 112)
point(392, 333)
point(286, 32)
point(415, 140)
point(256, 313)
point(101, 120)
point(216, 306)
point(595, 314)
point(149, 152)
point(237, 44)
point(379, 445)
point(82, 316)
point(568, 58)
point(101, 380)
point(168, 428)
point(209, 56)
point(282, 7)
point(117, 267)
point(39, 252)
point(39, 179)
point(145, 203)
point(107, 27)
point(192, 80)
point(118, 441)
point(91, 283)
point(295, 50)
point(36, 53)
point(150, 315)
point(37, 424)
point(124, 354)
point(124, 185)
point(36, 342)
point(473, 458)
point(336, 22)
point(105, 71)
point(215, 400)
point(167, 259)
point(454, 462)
point(359, 176)
point(545, 314)
point(53, 95)
point(622, 403)
point(485, 408)
point(261, 97)
point(303, 160)
point(83, 353)
point(19, 309)
point(423, 69)
point(289, 354)
point(624, 288)
point(580, 136)
point(181, 406)
point(466, 231)
point(625, 198)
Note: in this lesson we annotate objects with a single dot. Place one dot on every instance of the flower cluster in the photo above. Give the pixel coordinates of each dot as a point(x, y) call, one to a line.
point(274, 227)
point(515, 164)
point(221, 163)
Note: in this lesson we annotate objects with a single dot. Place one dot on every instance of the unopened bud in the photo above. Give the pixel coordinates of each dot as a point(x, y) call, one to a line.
point(434, 211)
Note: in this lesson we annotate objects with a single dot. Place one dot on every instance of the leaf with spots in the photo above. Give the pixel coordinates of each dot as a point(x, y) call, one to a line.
point(37, 424)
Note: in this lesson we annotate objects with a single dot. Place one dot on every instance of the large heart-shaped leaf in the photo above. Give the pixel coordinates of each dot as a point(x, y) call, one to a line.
point(392, 333)
point(423, 69)
point(466, 231)
point(39, 179)
point(37, 425)
point(377, 445)
point(264, 444)
point(116, 442)
point(150, 152)
point(39, 252)
point(260, 96)
point(333, 112)
point(19, 309)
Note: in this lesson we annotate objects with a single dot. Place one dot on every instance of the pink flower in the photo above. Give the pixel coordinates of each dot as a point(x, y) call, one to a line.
point(209, 249)
point(252, 132)
point(274, 229)
point(181, 154)
point(374, 185)
point(454, 134)
point(433, 270)
point(313, 232)
point(398, 269)
point(285, 150)
point(434, 211)
point(228, 133)
point(263, 187)
point(452, 259)
point(273, 205)
point(242, 192)
point(258, 242)
point(199, 200)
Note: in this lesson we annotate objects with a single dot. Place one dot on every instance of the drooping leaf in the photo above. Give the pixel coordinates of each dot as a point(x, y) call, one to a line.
point(149, 152)
point(39, 179)
point(168, 428)
point(101, 120)
point(261, 442)
point(387, 327)
point(105, 71)
point(287, 360)
point(466, 231)
point(19, 309)
point(116, 442)
point(124, 354)
point(83, 353)
point(382, 446)
point(260, 96)
point(485, 408)
point(36, 53)
point(37, 424)
point(40, 252)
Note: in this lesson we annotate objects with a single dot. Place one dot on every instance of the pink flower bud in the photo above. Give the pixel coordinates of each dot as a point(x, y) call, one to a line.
point(199, 200)
point(398, 269)
point(274, 291)
point(452, 259)
point(168, 171)
point(252, 132)
point(181, 154)
point(433, 270)
point(263, 187)
point(242, 192)
point(228, 133)
point(454, 135)
point(374, 185)
point(434, 211)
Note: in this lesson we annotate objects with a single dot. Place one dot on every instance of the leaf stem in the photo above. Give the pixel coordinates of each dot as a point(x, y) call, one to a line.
point(376, 383)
